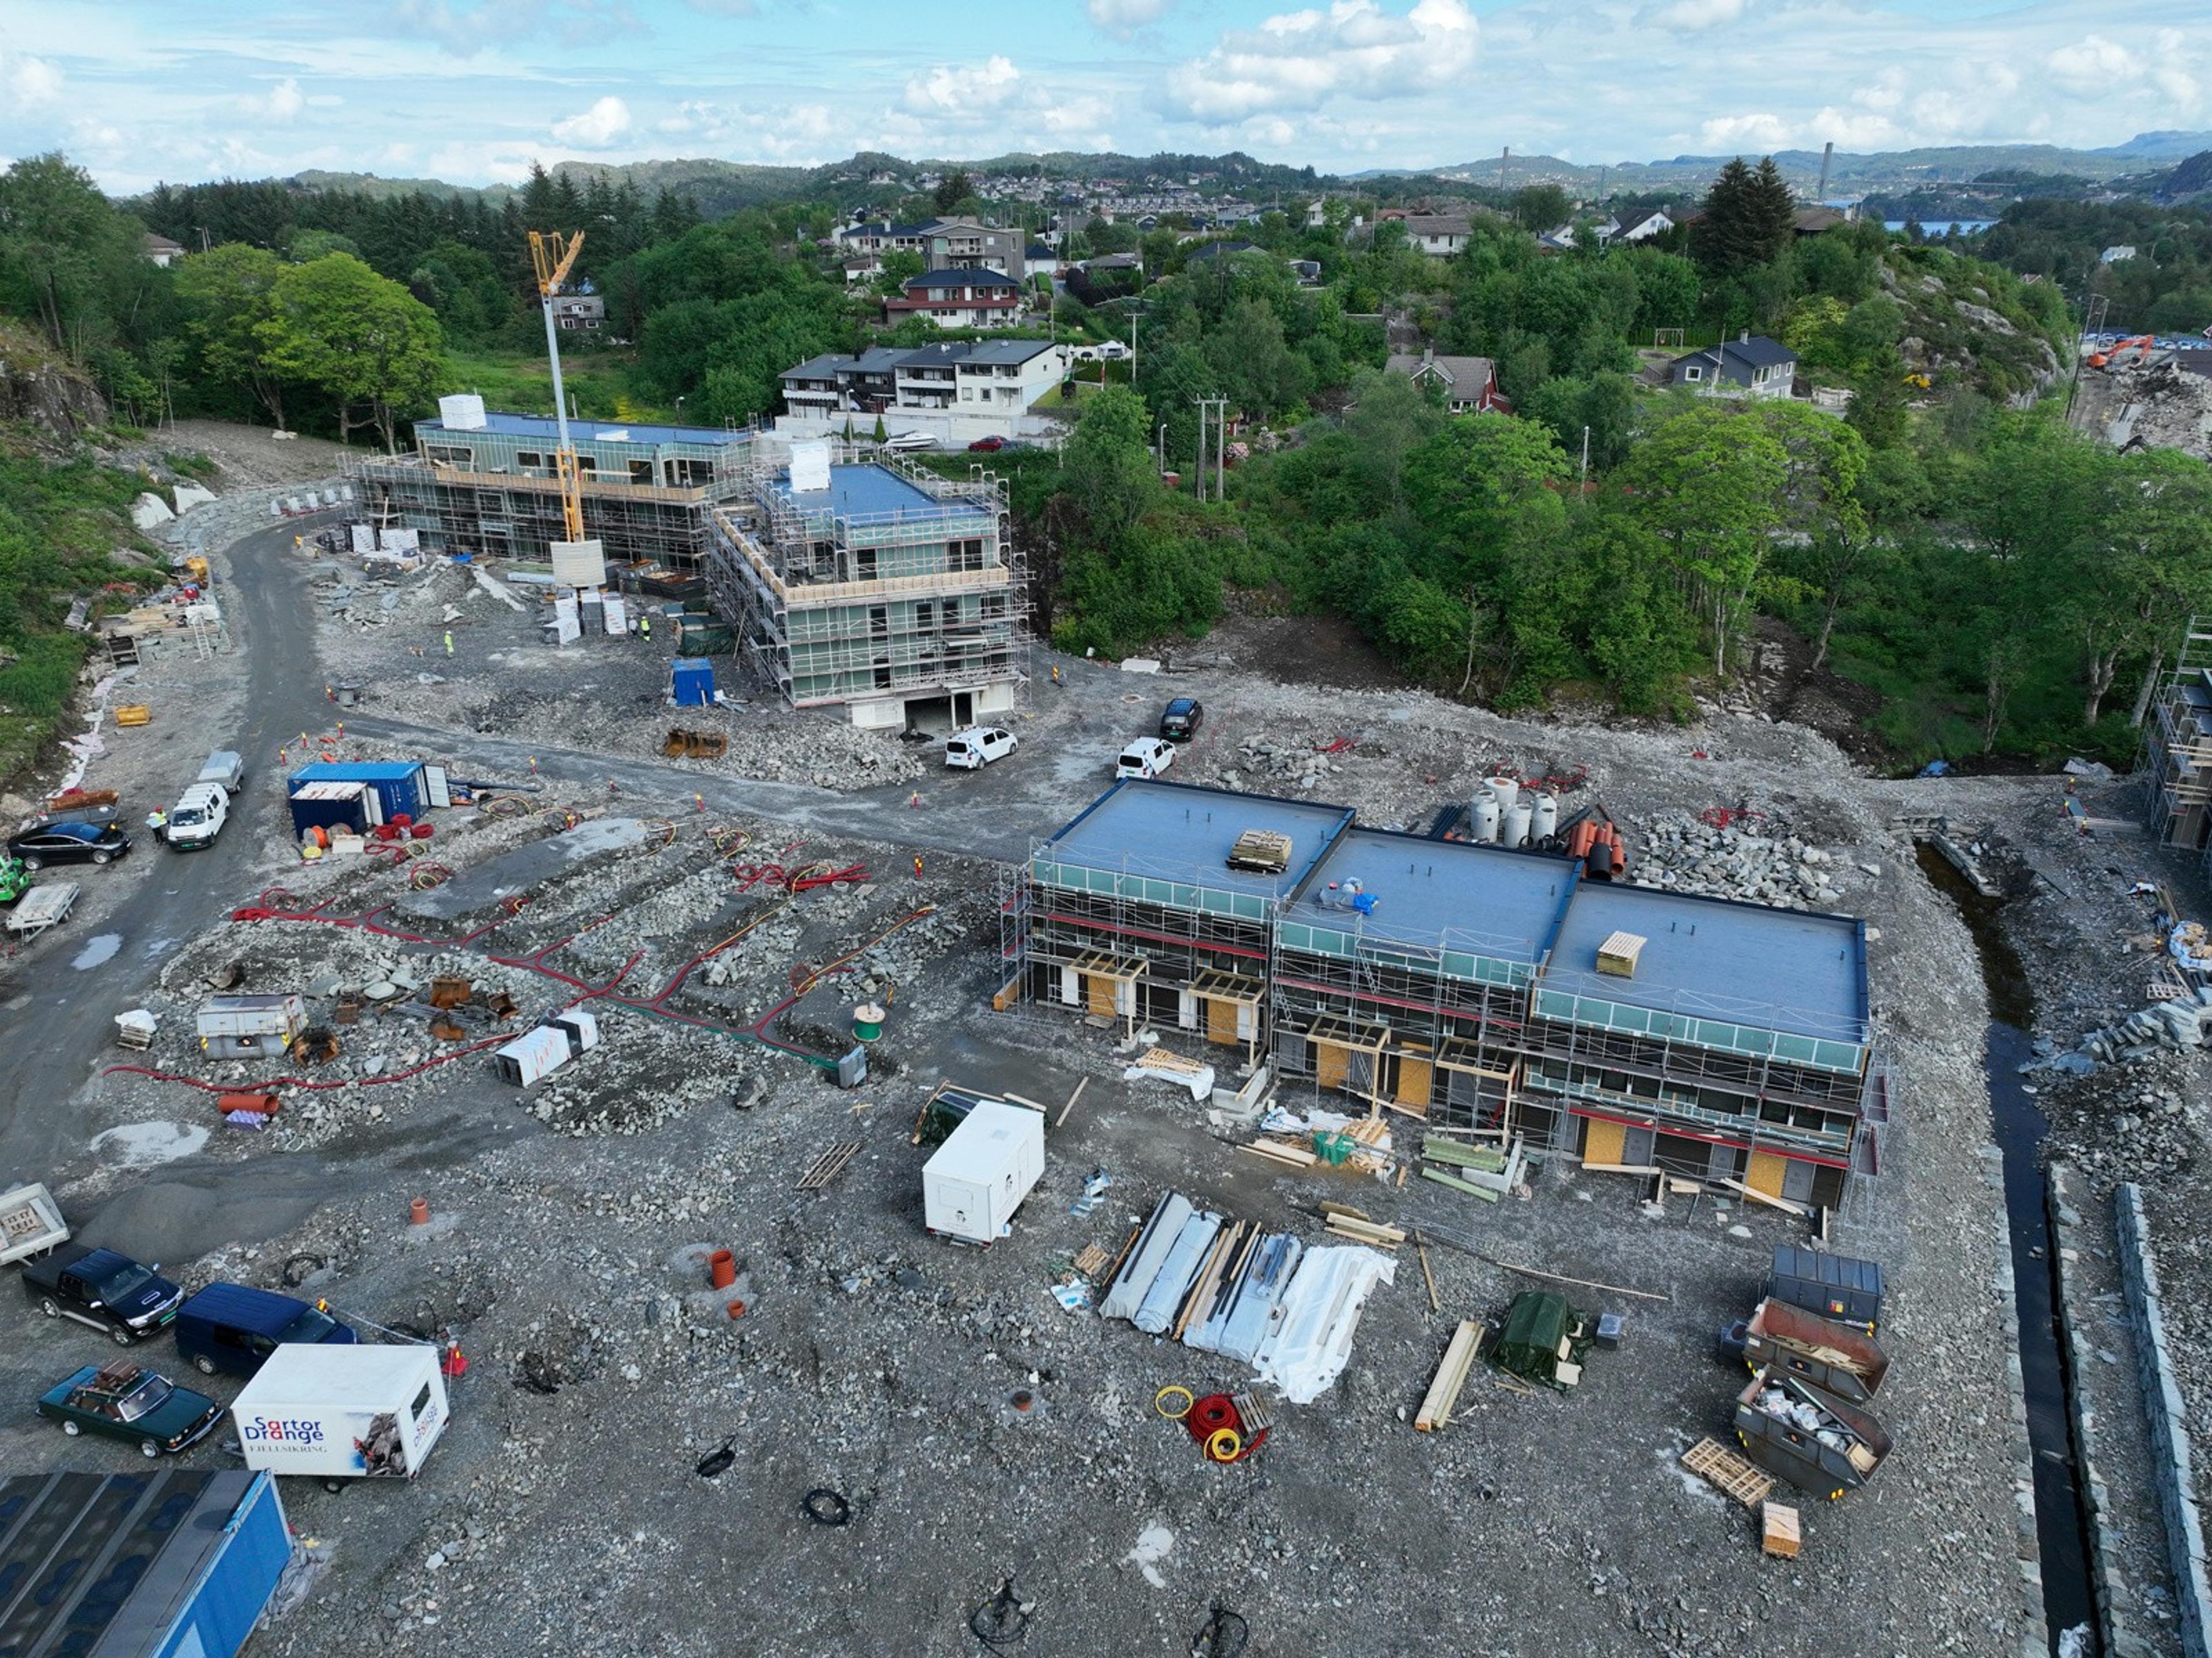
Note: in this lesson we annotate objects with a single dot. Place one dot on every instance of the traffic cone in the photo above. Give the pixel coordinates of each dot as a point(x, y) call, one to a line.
point(452, 1364)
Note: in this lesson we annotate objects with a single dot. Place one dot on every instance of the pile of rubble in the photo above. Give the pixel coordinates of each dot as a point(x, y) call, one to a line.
point(2165, 407)
point(1268, 766)
point(1765, 864)
point(2183, 1022)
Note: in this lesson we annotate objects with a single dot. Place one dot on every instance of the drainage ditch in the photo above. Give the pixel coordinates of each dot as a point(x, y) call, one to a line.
point(2060, 1521)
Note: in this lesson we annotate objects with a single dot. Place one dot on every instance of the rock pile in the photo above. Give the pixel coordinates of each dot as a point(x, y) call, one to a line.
point(1269, 765)
point(2181, 1023)
point(1765, 865)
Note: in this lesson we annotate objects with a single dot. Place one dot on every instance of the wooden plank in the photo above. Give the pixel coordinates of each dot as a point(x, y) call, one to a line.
point(1415, 1076)
point(1644, 1168)
point(1459, 1185)
point(1093, 1260)
point(1427, 1277)
point(1780, 1534)
point(827, 1167)
point(1757, 1196)
point(1283, 1152)
point(1071, 1099)
point(1451, 1376)
point(1019, 1100)
point(1581, 1283)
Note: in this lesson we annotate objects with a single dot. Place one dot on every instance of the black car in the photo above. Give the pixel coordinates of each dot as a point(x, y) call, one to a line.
point(1181, 719)
point(111, 1292)
point(70, 842)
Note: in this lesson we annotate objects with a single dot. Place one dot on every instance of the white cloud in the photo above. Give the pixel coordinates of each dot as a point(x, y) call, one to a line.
point(283, 101)
point(2093, 62)
point(962, 89)
point(1759, 132)
point(1122, 18)
point(29, 83)
point(597, 127)
point(1300, 60)
point(1700, 14)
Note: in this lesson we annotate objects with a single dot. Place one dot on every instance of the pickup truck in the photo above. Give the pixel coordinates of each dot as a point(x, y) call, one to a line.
point(1832, 1356)
point(108, 1292)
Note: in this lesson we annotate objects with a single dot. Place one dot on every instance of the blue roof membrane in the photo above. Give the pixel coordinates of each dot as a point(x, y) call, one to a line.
point(1179, 832)
point(1777, 969)
point(1432, 894)
point(587, 431)
point(865, 490)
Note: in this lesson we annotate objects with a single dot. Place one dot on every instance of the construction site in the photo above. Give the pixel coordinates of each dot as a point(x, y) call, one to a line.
point(877, 1204)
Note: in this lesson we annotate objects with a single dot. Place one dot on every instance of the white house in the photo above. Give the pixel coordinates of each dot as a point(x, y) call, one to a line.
point(1643, 226)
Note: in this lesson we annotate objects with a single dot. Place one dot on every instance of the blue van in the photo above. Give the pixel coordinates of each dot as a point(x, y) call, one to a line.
point(231, 1327)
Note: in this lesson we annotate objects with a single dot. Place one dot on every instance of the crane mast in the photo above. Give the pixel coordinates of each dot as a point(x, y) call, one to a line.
point(552, 255)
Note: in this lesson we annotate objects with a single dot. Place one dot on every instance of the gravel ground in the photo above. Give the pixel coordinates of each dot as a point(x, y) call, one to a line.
point(568, 1222)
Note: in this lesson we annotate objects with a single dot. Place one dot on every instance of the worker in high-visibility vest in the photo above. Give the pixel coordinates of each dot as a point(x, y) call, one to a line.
point(645, 625)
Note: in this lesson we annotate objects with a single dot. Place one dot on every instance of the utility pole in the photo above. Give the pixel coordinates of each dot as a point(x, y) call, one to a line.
point(1220, 448)
point(1198, 477)
point(1160, 449)
point(1585, 481)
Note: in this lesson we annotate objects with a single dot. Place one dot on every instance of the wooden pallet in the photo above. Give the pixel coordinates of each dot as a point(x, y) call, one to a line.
point(827, 1167)
point(1728, 1472)
point(1092, 1261)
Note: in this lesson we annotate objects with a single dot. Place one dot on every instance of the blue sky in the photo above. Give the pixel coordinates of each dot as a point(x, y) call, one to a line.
point(474, 90)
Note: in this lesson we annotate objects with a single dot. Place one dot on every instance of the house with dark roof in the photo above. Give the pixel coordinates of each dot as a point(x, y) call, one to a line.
point(1222, 250)
point(160, 250)
point(959, 298)
point(1643, 226)
point(1749, 366)
point(880, 237)
point(1469, 384)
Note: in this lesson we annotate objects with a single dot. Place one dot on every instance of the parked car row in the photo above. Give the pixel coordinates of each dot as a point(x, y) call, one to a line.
point(976, 746)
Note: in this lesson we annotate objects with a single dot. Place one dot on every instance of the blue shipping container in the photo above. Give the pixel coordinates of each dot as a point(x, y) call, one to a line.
point(161, 1564)
point(691, 682)
point(398, 783)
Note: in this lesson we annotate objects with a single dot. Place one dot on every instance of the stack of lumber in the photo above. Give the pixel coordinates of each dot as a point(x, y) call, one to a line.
point(1365, 1231)
point(1481, 1171)
point(1451, 1376)
point(1282, 1151)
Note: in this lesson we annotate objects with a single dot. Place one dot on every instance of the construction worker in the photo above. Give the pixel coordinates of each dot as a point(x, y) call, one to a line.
point(157, 824)
point(449, 642)
point(644, 626)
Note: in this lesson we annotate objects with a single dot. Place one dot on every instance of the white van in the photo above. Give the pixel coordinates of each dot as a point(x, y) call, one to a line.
point(1148, 756)
point(197, 817)
point(979, 746)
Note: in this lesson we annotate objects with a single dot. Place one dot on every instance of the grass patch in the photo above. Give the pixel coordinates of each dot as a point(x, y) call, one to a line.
point(605, 385)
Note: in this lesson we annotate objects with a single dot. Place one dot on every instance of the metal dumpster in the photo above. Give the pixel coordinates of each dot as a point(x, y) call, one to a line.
point(1824, 1446)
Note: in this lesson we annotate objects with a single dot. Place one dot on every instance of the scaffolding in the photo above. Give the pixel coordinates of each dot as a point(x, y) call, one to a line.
point(2176, 760)
point(920, 603)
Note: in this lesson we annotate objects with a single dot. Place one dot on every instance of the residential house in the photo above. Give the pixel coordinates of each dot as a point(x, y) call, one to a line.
point(959, 298)
point(1222, 250)
point(1642, 227)
point(160, 250)
point(1751, 365)
point(1439, 235)
point(580, 312)
point(978, 376)
point(1469, 384)
point(1819, 221)
point(2114, 255)
point(965, 245)
point(880, 237)
point(862, 267)
point(1308, 271)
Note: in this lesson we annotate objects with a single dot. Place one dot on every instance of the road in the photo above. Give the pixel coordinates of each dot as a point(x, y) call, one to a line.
point(72, 1013)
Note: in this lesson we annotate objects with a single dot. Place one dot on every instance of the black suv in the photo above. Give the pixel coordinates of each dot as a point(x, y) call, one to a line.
point(1180, 720)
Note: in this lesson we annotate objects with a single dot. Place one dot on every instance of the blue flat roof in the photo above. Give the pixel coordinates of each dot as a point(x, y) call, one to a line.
point(1503, 904)
point(587, 431)
point(1778, 969)
point(865, 490)
point(357, 771)
point(1183, 832)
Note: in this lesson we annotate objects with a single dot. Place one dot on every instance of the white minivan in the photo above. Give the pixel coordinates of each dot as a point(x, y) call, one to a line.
point(197, 817)
point(1147, 756)
point(979, 746)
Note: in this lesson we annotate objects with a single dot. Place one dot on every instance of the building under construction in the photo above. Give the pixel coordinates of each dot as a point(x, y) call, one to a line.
point(1464, 985)
point(2177, 756)
point(866, 582)
point(493, 489)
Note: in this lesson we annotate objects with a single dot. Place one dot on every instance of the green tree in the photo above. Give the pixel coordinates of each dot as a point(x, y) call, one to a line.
point(2150, 561)
point(67, 257)
point(951, 190)
point(1540, 208)
point(229, 295)
point(1748, 218)
point(1708, 484)
point(361, 337)
point(1388, 419)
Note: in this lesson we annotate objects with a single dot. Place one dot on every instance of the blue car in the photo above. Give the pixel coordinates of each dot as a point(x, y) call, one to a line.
point(235, 1327)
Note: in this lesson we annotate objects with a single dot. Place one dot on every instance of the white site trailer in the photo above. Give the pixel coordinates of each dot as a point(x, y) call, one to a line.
point(343, 1413)
point(976, 1179)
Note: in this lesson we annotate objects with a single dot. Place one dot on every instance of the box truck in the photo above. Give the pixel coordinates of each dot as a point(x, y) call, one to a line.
point(972, 1183)
point(343, 1413)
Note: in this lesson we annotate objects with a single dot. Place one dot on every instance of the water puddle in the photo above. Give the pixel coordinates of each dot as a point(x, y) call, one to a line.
point(97, 951)
point(2060, 1526)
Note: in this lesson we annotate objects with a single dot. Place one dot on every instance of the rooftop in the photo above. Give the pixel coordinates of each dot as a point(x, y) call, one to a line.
point(1778, 969)
point(1504, 904)
point(1759, 351)
point(1183, 832)
point(867, 490)
point(544, 426)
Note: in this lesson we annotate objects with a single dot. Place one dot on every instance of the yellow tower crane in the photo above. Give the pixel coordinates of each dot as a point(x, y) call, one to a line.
point(553, 255)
